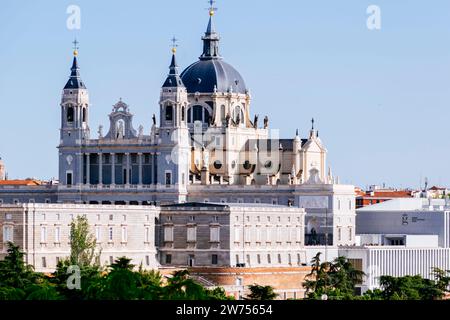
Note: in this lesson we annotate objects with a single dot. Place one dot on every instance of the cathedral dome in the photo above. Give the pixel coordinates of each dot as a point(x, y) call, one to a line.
point(207, 74)
point(211, 73)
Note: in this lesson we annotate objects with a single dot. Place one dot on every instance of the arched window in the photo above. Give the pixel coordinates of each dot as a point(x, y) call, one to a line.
point(197, 113)
point(238, 113)
point(169, 113)
point(84, 115)
point(207, 116)
point(70, 114)
point(222, 113)
point(183, 114)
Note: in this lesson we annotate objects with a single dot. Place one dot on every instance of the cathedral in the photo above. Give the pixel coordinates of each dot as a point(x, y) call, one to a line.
point(205, 146)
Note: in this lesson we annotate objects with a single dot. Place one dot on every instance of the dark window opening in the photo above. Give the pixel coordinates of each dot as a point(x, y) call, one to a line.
point(168, 258)
point(70, 114)
point(169, 113)
point(183, 114)
point(214, 259)
point(69, 179)
point(217, 164)
point(84, 114)
point(197, 113)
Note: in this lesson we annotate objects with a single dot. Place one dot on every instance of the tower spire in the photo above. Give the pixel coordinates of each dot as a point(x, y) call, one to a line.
point(211, 38)
point(173, 79)
point(75, 79)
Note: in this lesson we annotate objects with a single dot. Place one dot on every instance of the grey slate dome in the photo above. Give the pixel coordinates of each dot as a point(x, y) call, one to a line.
point(205, 75)
point(211, 73)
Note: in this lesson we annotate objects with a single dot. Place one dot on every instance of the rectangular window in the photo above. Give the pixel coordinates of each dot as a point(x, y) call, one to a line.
point(69, 178)
point(44, 262)
point(168, 179)
point(124, 234)
point(350, 234)
point(110, 234)
point(248, 259)
point(269, 259)
point(214, 259)
point(43, 234)
point(191, 234)
point(8, 216)
point(237, 233)
point(168, 234)
point(147, 260)
point(214, 234)
point(258, 234)
point(57, 234)
point(97, 233)
point(111, 259)
point(258, 258)
point(237, 259)
point(57, 260)
point(168, 258)
point(339, 234)
point(279, 258)
point(7, 233)
point(274, 201)
point(147, 235)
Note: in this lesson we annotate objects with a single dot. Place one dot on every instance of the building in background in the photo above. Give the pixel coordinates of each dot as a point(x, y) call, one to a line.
point(407, 236)
point(377, 195)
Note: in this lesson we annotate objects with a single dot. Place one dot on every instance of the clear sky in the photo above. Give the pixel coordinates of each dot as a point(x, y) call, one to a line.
point(380, 98)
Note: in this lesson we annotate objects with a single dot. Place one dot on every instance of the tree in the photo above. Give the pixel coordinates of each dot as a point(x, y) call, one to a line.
point(412, 287)
point(336, 279)
point(258, 292)
point(82, 244)
point(13, 270)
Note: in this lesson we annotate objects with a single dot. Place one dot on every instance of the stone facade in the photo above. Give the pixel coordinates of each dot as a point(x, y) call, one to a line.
point(43, 232)
point(207, 147)
point(230, 235)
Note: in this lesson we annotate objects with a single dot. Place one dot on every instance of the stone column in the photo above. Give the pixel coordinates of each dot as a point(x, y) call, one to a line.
point(113, 168)
point(100, 168)
point(88, 169)
point(152, 161)
point(127, 168)
point(140, 168)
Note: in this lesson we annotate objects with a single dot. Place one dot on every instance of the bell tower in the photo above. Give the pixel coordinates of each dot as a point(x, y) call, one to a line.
point(74, 125)
point(173, 161)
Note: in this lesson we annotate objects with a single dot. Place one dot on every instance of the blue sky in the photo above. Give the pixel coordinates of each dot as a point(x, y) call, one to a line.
point(381, 99)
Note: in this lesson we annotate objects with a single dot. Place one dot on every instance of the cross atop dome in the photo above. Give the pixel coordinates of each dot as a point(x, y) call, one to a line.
point(174, 44)
point(212, 10)
point(75, 47)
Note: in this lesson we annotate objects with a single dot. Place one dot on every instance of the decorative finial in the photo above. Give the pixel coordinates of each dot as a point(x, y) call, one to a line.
point(212, 10)
point(312, 122)
point(174, 44)
point(75, 47)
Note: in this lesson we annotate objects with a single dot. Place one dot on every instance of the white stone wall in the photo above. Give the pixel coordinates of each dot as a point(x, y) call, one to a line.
point(43, 232)
point(267, 236)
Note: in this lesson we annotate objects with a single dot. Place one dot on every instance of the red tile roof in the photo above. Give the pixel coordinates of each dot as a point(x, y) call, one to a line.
point(28, 182)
